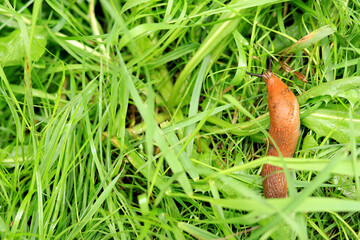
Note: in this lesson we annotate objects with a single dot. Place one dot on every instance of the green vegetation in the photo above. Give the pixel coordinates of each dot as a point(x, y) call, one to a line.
point(136, 119)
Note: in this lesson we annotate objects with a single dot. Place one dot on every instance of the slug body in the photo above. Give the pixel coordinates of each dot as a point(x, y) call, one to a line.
point(284, 130)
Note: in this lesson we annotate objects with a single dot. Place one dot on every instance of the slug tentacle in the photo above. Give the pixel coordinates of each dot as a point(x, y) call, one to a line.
point(269, 64)
point(284, 130)
point(256, 75)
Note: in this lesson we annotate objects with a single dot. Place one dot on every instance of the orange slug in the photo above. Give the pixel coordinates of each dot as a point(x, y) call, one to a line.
point(284, 130)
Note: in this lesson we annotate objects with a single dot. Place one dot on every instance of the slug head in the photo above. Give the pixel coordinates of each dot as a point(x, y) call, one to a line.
point(267, 74)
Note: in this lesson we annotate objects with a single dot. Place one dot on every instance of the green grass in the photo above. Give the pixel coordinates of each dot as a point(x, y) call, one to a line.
point(136, 120)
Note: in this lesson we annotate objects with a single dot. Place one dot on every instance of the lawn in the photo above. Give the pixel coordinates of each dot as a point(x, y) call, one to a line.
point(136, 119)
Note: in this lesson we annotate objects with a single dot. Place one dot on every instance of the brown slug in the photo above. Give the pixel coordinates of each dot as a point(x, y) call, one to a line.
point(284, 130)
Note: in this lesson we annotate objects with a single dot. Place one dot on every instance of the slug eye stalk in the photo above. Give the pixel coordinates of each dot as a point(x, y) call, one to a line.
point(256, 75)
point(268, 73)
point(269, 64)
